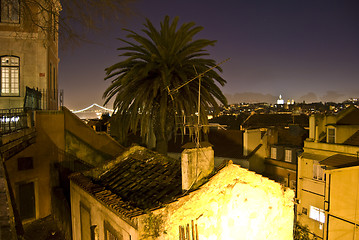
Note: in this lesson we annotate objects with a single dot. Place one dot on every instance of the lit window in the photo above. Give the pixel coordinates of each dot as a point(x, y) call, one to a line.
point(10, 69)
point(273, 153)
point(10, 11)
point(331, 135)
point(317, 214)
point(288, 155)
point(318, 172)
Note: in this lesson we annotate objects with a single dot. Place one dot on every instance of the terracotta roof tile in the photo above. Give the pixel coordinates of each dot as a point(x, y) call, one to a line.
point(350, 117)
point(142, 180)
point(272, 120)
point(353, 140)
point(340, 160)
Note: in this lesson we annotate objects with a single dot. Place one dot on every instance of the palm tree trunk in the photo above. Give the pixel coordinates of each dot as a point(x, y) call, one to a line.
point(162, 144)
point(159, 129)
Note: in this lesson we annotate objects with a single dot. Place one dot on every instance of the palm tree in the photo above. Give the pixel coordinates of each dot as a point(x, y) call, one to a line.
point(162, 60)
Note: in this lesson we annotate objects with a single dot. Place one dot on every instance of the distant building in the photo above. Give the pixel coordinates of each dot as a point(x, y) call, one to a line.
point(280, 101)
point(323, 192)
point(342, 208)
point(290, 102)
point(272, 143)
point(28, 60)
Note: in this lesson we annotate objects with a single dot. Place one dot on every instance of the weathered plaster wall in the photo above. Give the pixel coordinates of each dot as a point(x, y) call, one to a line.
point(49, 137)
point(98, 215)
point(33, 60)
point(234, 204)
point(196, 164)
point(82, 150)
point(251, 139)
point(343, 132)
point(256, 161)
point(83, 142)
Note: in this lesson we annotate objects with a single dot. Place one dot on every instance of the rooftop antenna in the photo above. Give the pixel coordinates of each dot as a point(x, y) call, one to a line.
point(198, 125)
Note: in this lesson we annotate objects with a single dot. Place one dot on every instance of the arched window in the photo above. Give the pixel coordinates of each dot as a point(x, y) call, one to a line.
point(10, 80)
point(9, 11)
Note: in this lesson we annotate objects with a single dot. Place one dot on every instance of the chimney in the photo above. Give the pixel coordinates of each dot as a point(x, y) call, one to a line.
point(196, 163)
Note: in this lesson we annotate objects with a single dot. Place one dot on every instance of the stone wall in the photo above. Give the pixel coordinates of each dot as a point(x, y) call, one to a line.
point(234, 204)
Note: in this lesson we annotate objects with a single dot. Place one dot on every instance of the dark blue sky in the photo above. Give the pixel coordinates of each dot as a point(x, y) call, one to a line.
point(302, 49)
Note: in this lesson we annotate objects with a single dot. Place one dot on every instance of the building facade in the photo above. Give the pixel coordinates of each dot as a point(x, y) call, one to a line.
point(342, 192)
point(60, 144)
point(28, 56)
point(272, 144)
point(140, 196)
point(333, 143)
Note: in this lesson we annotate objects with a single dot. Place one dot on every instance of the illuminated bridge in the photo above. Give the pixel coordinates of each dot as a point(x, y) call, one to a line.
point(92, 112)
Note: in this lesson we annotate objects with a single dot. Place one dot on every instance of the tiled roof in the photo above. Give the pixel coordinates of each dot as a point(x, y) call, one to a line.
point(138, 180)
point(294, 136)
point(351, 117)
point(313, 156)
point(226, 143)
point(272, 120)
point(353, 140)
point(340, 160)
point(106, 196)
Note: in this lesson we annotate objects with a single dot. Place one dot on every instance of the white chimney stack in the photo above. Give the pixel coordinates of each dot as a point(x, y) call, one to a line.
point(197, 163)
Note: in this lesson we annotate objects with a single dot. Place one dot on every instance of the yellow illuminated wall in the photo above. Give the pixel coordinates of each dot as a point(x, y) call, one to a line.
point(234, 204)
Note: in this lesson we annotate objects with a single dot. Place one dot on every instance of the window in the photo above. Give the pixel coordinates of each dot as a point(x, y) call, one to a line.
point(111, 233)
point(305, 211)
point(117, 233)
point(10, 11)
point(317, 214)
point(331, 135)
point(273, 153)
point(288, 155)
point(26, 200)
point(318, 172)
point(10, 69)
point(24, 163)
point(85, 219)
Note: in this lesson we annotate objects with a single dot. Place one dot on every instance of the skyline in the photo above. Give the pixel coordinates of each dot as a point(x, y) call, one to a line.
point(303, 50)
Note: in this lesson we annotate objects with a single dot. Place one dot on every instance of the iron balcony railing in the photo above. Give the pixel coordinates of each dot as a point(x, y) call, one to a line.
point(14, 119)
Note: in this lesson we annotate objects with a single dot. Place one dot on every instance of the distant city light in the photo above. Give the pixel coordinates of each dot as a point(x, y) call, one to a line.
point(280, 101)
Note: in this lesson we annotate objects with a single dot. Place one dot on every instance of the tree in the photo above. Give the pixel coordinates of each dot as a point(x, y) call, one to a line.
point(146, 85)
point(70, 18)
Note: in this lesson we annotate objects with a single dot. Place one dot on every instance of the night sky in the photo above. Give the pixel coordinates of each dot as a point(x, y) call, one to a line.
point(303, 49)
